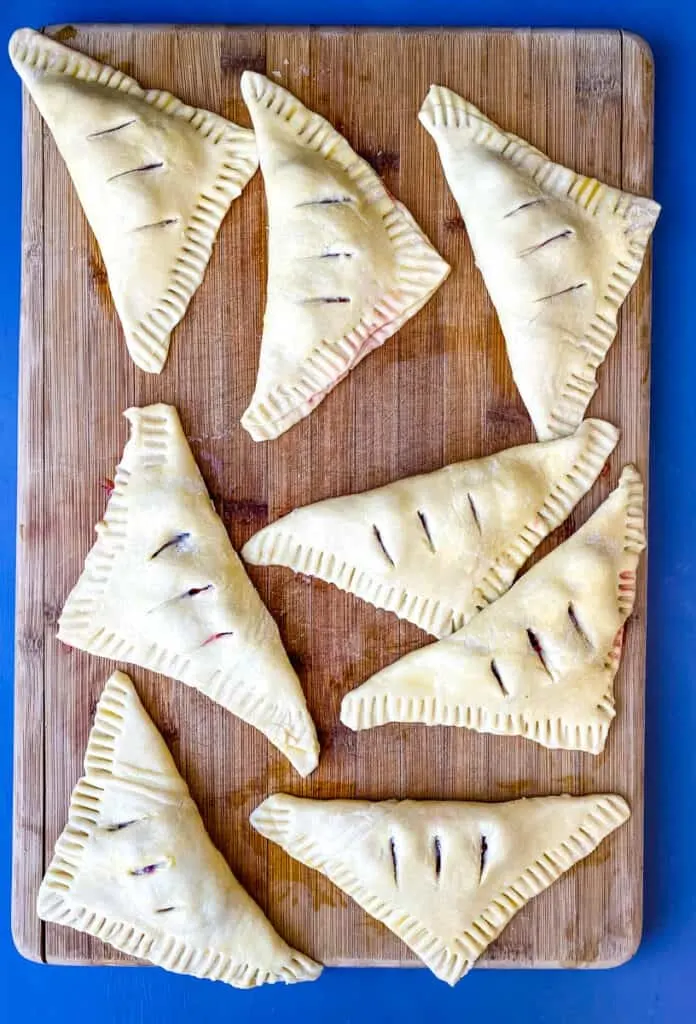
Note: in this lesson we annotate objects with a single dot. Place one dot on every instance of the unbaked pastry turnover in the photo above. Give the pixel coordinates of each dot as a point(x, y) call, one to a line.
point(438, 547)
point(539, 662)
point(135, 866)
point(559, 253)
point(163, 588)
point(444, 876)
point(155, 178)
point(347, 264)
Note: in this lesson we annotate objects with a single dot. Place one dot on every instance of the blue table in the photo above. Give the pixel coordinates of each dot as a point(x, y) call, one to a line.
point(657, 985)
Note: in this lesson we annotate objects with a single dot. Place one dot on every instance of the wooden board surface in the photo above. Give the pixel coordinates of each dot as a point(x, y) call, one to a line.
point(439, 391)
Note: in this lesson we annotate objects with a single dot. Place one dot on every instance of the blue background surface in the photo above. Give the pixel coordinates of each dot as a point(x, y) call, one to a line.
point(659, 984)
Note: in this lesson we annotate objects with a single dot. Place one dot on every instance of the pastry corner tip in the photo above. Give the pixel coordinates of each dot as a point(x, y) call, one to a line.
point(596, 423)
point(445, 269)
point(258, 424)
point(312, 969)
point(247, 551)
point(118, 680)
point(620, 806)
point(32, 51)
point(252, 551)
point(430, 115)
point(270, 817)
point(305, 761)
point(134, 413)
point(253, 84)
point(148, 339)
point(643, 214)
point(303, 968)
point(349, 711)
point(598, 436)
point(48, 901)
point(630, 476)
point(258, 817)
point(613, 809)
point(147, 360)
point(18, 44)
point(425, 114)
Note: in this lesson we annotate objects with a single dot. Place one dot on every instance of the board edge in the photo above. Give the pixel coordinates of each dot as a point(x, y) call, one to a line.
point(28, 933)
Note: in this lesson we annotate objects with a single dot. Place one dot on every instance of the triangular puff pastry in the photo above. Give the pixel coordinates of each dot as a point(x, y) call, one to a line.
point(437, 548)
point(559, 253)
point(154, 176)
point(135, 866)
point(541, 661)
point(347, 264)
point(444, 876)
point(163, 588)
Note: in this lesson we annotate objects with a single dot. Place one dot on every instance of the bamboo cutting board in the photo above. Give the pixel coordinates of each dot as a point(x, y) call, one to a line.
point(439, 391)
